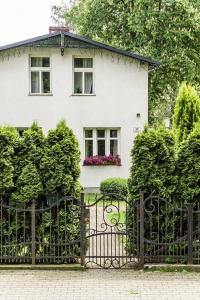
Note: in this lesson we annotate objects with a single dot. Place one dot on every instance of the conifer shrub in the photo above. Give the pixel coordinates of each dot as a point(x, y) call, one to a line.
point(186, 112)
point(60, 163)
point(152, 171)
point(28, 185)
point(28, 156)
point(9, 139)
point(153, 163)
point(33, 168)
point(188, 170)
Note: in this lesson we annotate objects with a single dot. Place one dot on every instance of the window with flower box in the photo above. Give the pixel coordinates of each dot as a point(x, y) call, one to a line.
point(102, 146)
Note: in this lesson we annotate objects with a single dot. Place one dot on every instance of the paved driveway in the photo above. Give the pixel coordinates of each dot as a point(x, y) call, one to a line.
point(98, 284)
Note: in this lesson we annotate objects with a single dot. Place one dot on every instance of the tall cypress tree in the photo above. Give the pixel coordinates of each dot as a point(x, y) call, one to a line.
point(188, 169)
point(153, 163)
point(186, 112)
point(60, 163)
point(28, 154)
point(9, 139)
point(28, 185)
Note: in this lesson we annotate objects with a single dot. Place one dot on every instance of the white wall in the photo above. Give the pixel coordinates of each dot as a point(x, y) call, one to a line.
point(121, 91)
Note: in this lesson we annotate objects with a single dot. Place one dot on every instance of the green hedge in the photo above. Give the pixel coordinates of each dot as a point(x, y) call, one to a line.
point(44, 169)
point(153, 163)
point(188, 170)
point(115, 185)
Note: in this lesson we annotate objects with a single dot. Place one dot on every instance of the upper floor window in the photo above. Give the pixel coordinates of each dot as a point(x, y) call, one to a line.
point(40, 75)
point(83, 76)
point(101, 141)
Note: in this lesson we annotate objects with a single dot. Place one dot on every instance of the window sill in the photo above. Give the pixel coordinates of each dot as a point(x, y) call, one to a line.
point(83, 95)
point(50, 94)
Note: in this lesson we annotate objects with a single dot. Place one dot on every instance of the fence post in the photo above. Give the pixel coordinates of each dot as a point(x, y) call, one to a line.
point(190, 233)
point(82, 226)
point(141, 229)
point(33, 231)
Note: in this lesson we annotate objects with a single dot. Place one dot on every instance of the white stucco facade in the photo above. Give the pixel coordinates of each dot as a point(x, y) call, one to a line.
point(120, 93)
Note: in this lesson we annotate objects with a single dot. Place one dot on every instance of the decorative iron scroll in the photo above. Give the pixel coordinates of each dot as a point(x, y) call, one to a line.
point(108, 236)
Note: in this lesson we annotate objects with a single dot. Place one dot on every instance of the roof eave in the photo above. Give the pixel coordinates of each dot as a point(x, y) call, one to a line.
point(153, 63)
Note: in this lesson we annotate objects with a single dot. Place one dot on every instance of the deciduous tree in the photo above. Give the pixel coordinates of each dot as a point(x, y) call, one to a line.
point(166, 30)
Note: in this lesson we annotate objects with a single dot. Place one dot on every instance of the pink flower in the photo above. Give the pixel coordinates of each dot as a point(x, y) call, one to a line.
point(102, 160)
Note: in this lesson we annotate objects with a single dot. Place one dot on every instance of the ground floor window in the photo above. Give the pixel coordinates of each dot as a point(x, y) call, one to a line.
point(101, 142)
point(21, 130)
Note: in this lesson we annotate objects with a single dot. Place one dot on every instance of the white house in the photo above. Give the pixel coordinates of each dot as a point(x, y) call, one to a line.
point(101, 91)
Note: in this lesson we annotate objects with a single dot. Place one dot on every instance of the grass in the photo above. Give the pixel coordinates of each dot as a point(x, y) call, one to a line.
point(121, 216)
point(91, 198)
point(172, 268)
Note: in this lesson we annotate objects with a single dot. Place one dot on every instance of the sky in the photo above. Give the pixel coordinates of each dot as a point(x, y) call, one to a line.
point(24, 19)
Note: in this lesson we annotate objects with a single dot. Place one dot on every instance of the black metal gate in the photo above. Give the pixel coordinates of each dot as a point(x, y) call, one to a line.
point(106, 238)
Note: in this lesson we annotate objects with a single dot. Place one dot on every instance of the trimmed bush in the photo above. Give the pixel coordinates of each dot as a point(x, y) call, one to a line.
point(28, 185)
point(152, 171)
point(188, 170)
point(186, 112)
point(60, 163)
point(115, 185)
point(28, 156)
point(9, 139)
point(153, 163)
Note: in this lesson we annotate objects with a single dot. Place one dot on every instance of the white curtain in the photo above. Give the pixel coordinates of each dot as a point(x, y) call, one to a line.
point(88, 83)
point(35, 82)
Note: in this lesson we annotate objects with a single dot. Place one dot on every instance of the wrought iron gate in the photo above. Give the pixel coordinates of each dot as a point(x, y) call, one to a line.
point(106, 238)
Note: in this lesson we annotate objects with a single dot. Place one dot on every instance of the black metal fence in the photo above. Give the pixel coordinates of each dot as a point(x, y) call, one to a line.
point(167, 233)
point(107, 232)
point(46, 234)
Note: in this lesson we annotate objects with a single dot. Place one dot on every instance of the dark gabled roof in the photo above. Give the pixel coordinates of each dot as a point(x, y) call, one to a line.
point(96, 44)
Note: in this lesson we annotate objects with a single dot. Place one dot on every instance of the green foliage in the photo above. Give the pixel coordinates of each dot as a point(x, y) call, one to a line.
point(8, 141)
point(153, 171)
point(164, 30)
point(115, 185)
point(188, 169)
point(28, 185)
point(27, 158)
point(31, 168)
point(153, 163)
point(30, 149)
point(60, 163)
point(186, 113)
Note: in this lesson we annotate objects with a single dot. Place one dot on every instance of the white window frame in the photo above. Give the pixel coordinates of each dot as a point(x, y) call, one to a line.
point(83, 71)
point(107, 139)
point(40, 70)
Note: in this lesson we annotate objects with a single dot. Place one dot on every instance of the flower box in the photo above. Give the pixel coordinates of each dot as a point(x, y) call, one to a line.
point(106, 160)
